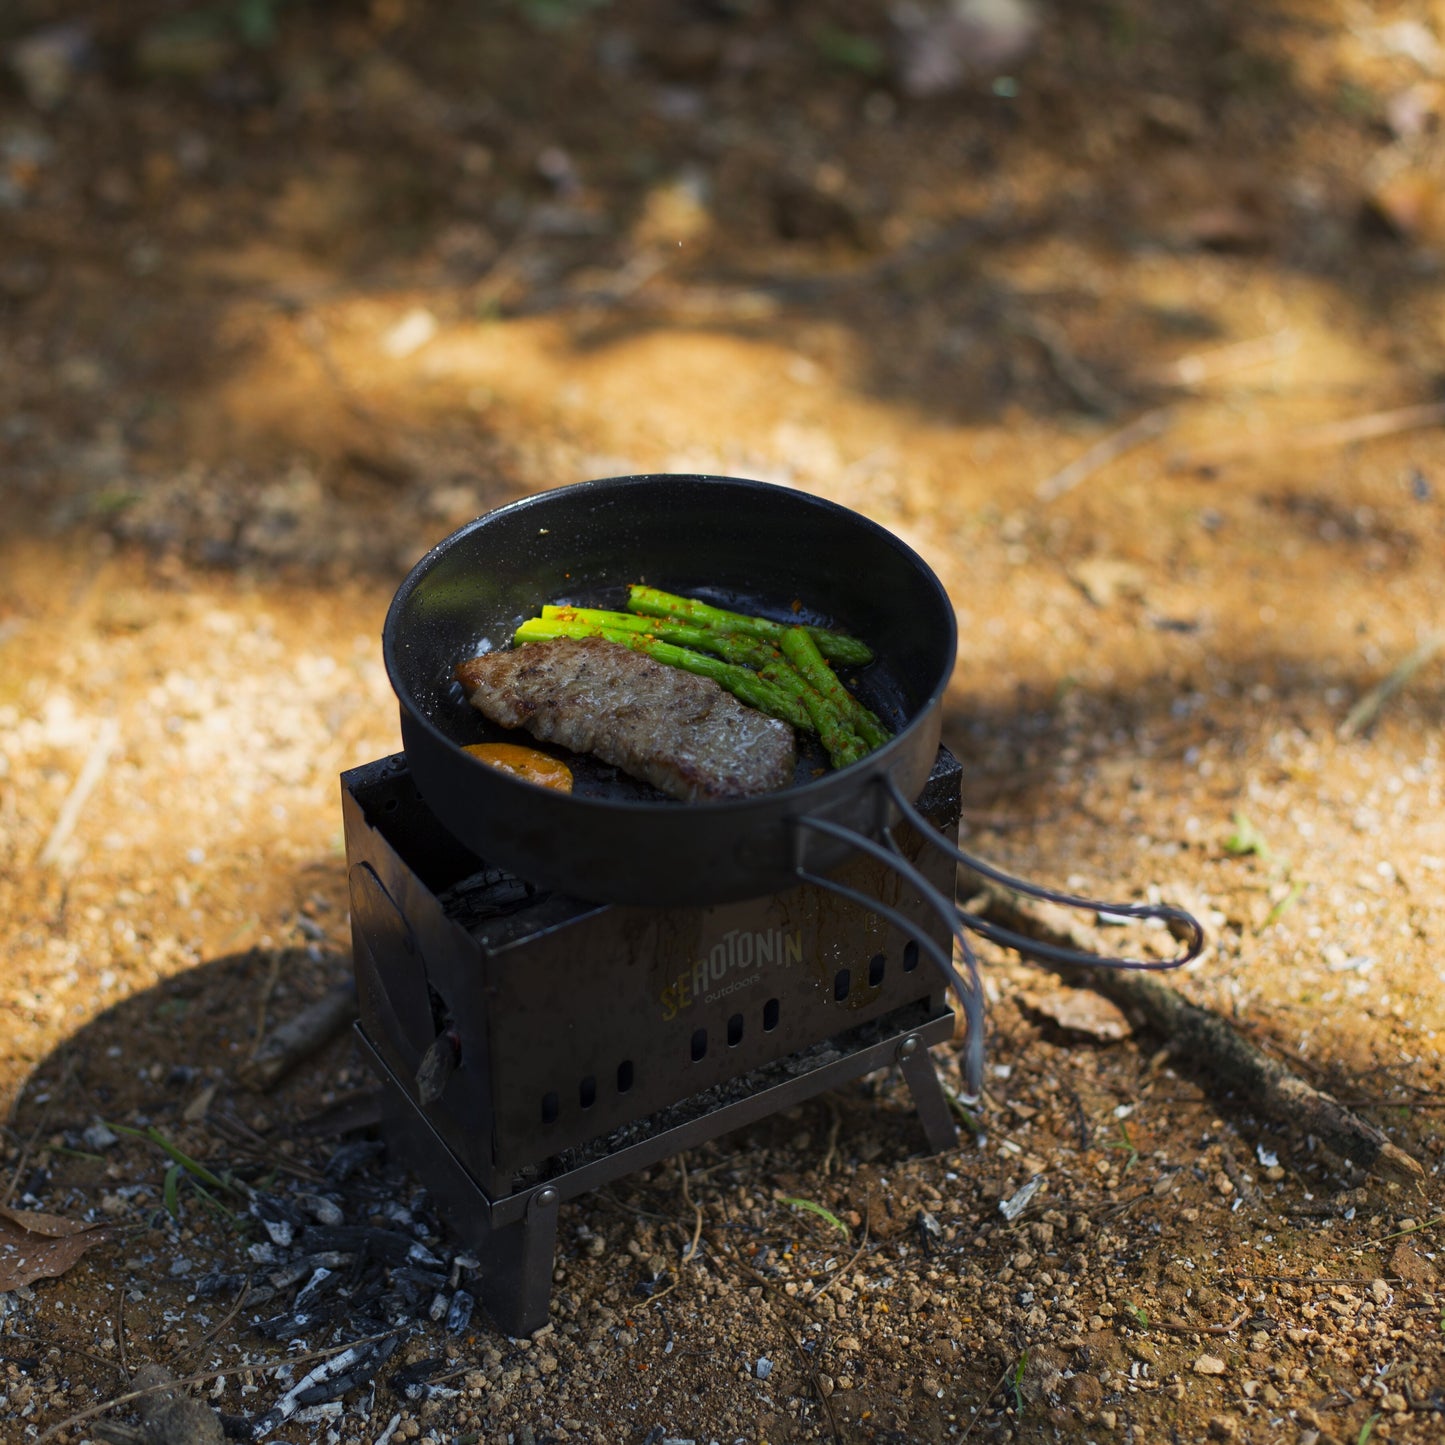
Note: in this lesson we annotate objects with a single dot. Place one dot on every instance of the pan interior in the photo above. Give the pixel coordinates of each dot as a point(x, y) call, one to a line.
point(746, 546)
point(876, 686)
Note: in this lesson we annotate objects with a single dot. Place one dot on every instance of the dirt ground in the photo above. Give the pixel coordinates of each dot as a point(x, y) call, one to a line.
point(1120, 333)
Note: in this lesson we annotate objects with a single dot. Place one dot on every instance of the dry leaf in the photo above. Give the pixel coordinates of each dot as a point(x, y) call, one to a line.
point(39, 1246)
point(1413, 1267)
point(1104, 580)
point(1226, 227)
point(1409, 205)
point(1081, 1011)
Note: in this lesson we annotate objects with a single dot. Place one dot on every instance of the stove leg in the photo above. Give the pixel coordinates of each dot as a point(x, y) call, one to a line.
point(517, 1262)
point(922, 1079)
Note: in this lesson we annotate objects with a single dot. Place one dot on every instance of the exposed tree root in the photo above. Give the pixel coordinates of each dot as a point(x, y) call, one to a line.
point(1212, 1046)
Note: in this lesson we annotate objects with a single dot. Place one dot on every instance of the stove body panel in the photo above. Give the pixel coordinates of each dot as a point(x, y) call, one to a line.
point(533, 1046)
point(573, 1018)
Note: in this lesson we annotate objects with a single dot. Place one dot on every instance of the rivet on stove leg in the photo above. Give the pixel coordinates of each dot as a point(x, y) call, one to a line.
point(907, 1048)
point(542, 1199)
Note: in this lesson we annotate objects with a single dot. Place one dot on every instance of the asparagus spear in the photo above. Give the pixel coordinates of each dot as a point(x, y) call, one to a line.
point(840, 741)
point(799, 648)
point(835, 645)
point(744, 684)
point(746, 651)
point(839, 738)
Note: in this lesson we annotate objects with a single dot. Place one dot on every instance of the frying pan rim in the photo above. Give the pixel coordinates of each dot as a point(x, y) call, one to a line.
point(820, 787)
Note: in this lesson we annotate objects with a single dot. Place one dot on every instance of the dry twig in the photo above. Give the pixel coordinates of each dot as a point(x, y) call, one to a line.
point(1086, 388)
point(1401, 1233)
point(226, 1319)
point(120, 1333)
point(820, 1289)
point(1368, 708)
point(992, 1391)
point(1098, 456)
point(1201, 366)
point(1313, 438)
point(835, 1123)
point(107, 735)
point(68, 1349)
point(300, 1037)
point(1183, 1329)
point(696, 1209)
point(268, 987)
point(1320, 1279)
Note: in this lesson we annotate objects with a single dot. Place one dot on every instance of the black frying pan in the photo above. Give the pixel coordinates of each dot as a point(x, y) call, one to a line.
point(754, 547)
point(750, 546)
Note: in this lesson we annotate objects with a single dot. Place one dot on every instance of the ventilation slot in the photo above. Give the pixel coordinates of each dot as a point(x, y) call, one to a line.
point(587, 1091)
point(770, 1015)
point(842, 982)
point(910, 956)
point(549, 1108)
point(876, 967)
point(735, 1031)
point(624, 1076)
point(699, 1044)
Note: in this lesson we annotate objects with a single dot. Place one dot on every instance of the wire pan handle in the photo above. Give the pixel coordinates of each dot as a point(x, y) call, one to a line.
point(1194, 942)
point(969, 993)
point(967, 986)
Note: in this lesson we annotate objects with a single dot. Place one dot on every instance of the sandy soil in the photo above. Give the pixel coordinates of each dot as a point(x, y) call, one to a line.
point(289, 292)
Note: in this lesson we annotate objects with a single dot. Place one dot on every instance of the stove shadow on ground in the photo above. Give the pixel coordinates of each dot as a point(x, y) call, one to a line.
point(152, 1060)
point(164, 1064)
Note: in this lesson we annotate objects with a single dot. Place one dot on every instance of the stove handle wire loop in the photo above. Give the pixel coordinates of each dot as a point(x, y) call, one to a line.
point(1194, 943)
point(970, 993)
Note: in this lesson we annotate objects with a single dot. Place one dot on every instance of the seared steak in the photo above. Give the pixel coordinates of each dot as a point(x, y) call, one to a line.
point(682, 733)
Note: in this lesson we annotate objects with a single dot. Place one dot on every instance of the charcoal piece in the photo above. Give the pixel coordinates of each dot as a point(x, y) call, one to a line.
point(308, 1264)
point(387, 1310)
point(273, 1207)
point(359, 1370)
point(215, 1282)
point(414, 1286)
point(459, 1316)
point(441, 1060)
point(349, 1158)
point(290, 1273)
point(387, 1246)
point(281, 1232)
point(315, 1285)
point(280, 1218)
point(930, 1233)
point(397, 1213)
point(413, 1382)
point(328, 1381)
point(321, 1209)
point(296, 1323)
point(491, 893)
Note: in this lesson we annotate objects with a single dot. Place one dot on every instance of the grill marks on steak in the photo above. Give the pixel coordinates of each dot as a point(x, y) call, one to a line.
point(684, 734)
